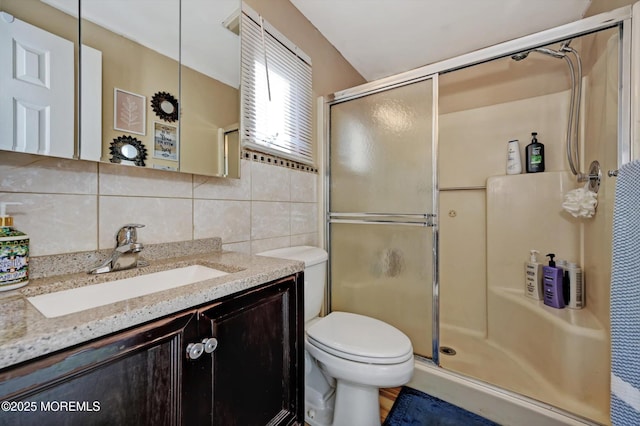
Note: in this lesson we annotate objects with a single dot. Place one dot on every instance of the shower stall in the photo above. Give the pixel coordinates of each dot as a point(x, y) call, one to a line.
point(427, 232)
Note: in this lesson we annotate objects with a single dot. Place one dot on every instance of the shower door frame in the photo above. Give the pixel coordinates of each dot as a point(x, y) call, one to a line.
point(428, 219)
point(628, 88)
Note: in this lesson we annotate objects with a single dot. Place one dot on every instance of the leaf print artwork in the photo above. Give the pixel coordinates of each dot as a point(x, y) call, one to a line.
point(129, 112)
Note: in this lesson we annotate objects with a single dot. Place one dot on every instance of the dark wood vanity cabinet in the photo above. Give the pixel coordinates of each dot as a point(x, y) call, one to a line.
point(126, 378)
point(250, 371)
point(255, 374)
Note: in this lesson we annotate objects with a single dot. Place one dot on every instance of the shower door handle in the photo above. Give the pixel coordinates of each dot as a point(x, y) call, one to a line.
point(410, 219)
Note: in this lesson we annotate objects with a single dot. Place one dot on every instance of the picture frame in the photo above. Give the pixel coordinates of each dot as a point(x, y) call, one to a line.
point(129, 112)
point(165, 141)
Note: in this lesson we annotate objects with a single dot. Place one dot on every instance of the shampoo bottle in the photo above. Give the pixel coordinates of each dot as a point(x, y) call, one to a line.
point(14, 253)
point(533, 277)
point(535, 155)
point(576, 286)
point(552, 278)
point(514, 163)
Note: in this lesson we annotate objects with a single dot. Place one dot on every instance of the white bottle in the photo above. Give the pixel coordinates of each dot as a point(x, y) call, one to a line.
point(576, 286)
point(514, 162)
point(533, 277)
point(562, 265)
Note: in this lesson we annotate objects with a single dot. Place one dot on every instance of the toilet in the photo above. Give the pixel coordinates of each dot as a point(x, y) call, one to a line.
point(348, 357)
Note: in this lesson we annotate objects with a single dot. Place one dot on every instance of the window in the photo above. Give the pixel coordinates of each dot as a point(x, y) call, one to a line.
point(276, 95)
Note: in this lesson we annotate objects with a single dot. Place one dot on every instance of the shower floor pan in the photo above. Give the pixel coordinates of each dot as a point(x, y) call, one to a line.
point(478, 358)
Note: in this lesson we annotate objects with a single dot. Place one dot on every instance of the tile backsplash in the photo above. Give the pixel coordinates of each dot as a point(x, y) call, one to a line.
point(70, 206)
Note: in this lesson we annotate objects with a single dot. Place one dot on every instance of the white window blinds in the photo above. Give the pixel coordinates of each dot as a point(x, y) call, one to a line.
point(276, 94)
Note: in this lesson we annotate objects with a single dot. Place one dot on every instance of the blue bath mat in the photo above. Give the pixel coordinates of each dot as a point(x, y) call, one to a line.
point(416, 408)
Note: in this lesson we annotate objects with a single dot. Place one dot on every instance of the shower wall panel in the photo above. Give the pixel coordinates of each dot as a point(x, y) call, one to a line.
point(469, 154)
point(463, 272)
point(473, 143)
point(524, 212)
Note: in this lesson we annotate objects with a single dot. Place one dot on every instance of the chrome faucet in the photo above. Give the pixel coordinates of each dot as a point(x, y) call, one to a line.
point(125, 255)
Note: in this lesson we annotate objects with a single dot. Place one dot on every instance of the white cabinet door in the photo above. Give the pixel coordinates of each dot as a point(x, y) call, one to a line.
point(36, 90)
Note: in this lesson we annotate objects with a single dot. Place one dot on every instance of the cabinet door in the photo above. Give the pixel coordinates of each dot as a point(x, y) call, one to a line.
point(36, 90)
point(129, 378)
point(256, 369)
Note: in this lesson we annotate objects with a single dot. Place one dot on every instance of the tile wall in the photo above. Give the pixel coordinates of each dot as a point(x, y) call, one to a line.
point(70, 206)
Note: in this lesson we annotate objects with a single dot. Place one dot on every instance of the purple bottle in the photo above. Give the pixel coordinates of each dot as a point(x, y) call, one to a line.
point(552, 284)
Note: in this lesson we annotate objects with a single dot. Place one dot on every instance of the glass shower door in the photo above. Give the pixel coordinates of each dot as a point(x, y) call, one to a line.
point(382, 236)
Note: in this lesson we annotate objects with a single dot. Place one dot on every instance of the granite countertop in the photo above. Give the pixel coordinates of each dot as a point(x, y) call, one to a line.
point(26, 334)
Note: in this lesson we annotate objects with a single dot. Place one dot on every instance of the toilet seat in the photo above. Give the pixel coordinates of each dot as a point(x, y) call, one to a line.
point(359, 338)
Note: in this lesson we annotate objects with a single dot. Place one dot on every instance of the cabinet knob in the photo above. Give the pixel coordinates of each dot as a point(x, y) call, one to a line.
point(210, 344)
point(194, 350)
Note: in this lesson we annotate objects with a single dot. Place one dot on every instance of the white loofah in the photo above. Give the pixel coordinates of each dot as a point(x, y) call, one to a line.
point(581, 202)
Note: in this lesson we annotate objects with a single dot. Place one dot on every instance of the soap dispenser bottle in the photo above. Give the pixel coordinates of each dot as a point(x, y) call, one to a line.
point(533, 277)
point(535, 155)
point(552, 278)
point(14, 253)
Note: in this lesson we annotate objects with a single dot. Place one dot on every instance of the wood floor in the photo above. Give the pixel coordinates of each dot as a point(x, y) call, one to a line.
point(387, 397)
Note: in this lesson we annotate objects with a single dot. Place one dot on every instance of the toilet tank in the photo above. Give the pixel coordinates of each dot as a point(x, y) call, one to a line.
point(315, 274)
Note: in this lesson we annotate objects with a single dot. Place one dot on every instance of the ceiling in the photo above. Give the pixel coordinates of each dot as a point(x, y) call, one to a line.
point(385, 37)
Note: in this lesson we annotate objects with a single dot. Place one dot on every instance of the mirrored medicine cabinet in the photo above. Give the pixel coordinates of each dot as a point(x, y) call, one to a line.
point(143, 83)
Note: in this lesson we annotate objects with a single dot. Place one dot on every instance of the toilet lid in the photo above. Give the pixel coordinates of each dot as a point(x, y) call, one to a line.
point(360, 338)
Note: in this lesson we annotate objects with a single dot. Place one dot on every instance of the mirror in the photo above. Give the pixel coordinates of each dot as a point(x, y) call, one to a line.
point(165, 106)
point(173, 109)
point(175, 115)
point(128, 150)
point(210, 95)
point(38, 78)
point(134, 49)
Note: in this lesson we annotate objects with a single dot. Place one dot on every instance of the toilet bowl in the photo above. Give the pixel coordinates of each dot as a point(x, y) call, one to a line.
point(362, 354)
point(348, 357)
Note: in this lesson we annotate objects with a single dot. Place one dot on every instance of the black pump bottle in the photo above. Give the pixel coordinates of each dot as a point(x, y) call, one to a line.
point(535, 155)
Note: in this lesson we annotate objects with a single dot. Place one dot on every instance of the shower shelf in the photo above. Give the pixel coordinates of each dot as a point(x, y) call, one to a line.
point(578, 320)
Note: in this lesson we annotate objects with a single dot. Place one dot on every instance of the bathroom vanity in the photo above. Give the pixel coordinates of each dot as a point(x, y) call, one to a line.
point(232, 358)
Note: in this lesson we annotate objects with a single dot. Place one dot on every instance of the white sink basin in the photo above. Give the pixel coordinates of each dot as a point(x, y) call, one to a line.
point(65, 302)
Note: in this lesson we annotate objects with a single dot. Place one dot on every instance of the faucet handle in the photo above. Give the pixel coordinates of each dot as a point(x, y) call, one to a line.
point(128, 234)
